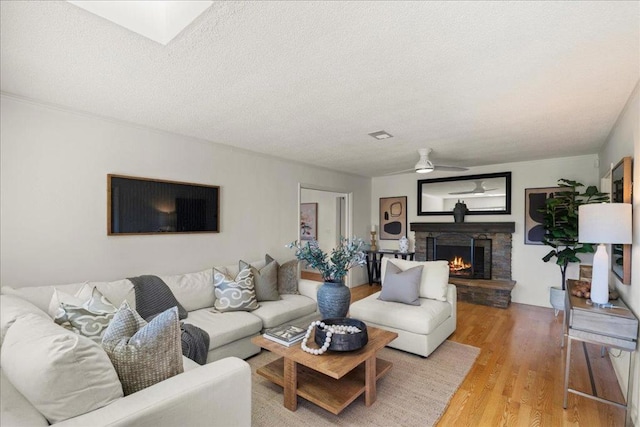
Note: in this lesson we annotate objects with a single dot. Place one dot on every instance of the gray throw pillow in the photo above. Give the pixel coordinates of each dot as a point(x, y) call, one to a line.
point(401, 286)
point(234, 294)
point(142, 353)
point(265, 280)
point(288, 277)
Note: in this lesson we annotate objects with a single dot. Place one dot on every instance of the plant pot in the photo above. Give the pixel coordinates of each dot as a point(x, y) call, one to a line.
point(333, 299)
point(556, 298)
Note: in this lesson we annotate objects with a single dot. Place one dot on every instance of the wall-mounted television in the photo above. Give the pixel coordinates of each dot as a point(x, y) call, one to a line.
point(153, 206)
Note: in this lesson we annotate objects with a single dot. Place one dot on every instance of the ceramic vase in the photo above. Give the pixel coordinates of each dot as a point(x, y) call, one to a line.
point(403, 244)
point(459, 211)
point(333, 299)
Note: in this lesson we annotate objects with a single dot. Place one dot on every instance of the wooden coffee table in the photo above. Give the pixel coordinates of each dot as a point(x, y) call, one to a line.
point(332, 380)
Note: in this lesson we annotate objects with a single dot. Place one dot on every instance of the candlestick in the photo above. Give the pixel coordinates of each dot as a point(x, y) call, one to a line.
point(373, 241)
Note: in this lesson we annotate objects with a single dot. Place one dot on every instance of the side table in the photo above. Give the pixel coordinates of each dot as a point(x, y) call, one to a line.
point(615, 327)
point(374, 262)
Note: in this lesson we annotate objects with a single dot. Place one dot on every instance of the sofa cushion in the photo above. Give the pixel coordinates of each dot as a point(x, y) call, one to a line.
point(290, 307)
point(288, 277)
point(15, 409)
point(434, 280)
point(40, 296)
point(42, 360)
point(12, 307)
point(265, 280)
point(234, 293)
point(86, 313)
point(420, 319)
point(144, 354)
point(193, 290)
point(401, 286)
point(225, 328)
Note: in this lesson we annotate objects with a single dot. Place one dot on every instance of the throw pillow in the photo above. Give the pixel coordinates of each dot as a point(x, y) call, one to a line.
point(142, 353)
point(265, 280)
point(401, 286)
point(12, 308)
point(86, 313)
point(434, 280)
point(153, 296)
point(288, 277)
point(234, 294)
point(61, 373)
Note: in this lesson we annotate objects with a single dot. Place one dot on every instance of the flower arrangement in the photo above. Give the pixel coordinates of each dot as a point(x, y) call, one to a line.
point(348, 254)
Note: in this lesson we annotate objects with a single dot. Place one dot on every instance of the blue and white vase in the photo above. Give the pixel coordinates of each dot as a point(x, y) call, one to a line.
point(333, 299)
point(403, 243)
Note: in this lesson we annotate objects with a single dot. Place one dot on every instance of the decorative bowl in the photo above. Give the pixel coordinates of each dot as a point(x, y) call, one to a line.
point(343, 342)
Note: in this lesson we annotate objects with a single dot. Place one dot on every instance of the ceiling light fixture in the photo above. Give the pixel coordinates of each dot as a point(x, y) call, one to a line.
point(381, 135)
point(159, 21)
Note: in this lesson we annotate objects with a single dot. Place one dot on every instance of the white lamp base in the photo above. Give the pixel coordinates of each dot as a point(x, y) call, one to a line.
point(600, 276)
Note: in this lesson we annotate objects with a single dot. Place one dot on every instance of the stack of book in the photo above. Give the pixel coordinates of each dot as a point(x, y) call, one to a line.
point(286, 335)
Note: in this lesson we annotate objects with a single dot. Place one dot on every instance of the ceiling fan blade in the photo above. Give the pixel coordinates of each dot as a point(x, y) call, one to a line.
point(450, 168)
point(457, 193)
point(399, 172)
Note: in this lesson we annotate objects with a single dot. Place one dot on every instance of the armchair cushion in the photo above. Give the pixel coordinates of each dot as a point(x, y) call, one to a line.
point(434, 279)
point(401, 286)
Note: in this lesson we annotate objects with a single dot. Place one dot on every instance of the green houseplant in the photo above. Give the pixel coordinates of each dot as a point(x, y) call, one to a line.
point(333, 296)
point(560, 220)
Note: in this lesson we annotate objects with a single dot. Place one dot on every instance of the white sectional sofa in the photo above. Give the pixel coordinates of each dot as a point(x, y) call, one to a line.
point(218, 393)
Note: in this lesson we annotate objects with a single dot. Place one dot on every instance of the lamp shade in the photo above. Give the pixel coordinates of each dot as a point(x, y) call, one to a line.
point(605, 223)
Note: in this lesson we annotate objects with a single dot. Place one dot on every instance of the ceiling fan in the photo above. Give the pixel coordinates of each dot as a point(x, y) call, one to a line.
point(479, 189)
point(425, 165)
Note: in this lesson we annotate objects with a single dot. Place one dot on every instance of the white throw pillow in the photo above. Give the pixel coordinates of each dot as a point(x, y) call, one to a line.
point(192, 290)
point(13, 307)
point(434, 280)
point(61, 373)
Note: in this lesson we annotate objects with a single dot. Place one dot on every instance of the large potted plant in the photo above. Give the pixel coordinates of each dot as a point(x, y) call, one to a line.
point(560, 220)
point(333, 296)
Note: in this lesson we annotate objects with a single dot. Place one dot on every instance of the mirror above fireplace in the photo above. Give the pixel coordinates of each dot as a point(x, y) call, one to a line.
point(485, 194)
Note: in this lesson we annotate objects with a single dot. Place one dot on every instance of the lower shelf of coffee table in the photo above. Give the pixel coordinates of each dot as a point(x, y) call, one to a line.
point(326, 392)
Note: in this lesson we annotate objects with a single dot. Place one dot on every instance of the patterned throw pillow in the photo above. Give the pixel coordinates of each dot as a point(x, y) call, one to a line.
point(87, 312)
point(288, 277)
point(234, 294)
point(142, 353)
point(265, 280)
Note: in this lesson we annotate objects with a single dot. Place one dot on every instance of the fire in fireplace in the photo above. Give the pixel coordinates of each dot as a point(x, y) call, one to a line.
point(468, 257)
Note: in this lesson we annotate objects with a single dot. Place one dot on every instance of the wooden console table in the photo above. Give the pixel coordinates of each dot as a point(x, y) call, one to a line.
point(615, 327)
point(374, 262)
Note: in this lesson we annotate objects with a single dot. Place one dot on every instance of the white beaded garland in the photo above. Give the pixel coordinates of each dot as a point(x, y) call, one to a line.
point(330, 331)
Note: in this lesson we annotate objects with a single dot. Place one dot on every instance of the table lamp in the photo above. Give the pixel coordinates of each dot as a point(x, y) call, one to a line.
point(603, 223)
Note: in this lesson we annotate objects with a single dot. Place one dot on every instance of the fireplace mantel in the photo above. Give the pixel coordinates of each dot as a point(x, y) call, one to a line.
point(463, 227)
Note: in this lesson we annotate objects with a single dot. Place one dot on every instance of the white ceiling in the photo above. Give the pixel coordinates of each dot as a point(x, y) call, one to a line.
point(479, 82)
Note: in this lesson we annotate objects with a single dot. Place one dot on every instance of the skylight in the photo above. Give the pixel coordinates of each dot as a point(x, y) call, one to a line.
point(159, 21)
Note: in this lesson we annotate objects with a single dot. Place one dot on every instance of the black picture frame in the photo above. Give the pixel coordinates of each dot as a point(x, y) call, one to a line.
point(393, 218)
point(535, 199)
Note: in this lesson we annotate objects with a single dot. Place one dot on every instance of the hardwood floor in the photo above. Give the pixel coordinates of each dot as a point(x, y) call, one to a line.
point(518, 378)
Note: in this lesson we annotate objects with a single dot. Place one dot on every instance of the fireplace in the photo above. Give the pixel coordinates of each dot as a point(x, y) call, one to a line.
point(468, 256)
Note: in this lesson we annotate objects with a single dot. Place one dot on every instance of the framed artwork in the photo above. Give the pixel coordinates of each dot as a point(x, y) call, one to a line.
point(308, 221)
point(393, 217)
point(153, 206)
point(534, 199)
point(621, 177)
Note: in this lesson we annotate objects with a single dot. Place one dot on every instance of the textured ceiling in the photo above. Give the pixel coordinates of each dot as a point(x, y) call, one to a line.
point(479, 82)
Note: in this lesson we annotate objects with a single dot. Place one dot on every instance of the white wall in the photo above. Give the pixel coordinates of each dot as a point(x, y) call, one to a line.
point(624, 140)
point(53, 204)
point(533, 276)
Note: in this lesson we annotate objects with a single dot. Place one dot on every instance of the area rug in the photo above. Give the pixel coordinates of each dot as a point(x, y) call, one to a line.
point(415, 392)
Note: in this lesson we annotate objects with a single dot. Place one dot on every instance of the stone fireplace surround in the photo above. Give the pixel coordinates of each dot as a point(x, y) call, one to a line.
point(495, 292)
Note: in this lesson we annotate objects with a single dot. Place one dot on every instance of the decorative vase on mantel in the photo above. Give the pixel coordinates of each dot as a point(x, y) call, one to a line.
point(459, 211)
point(333, 299)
